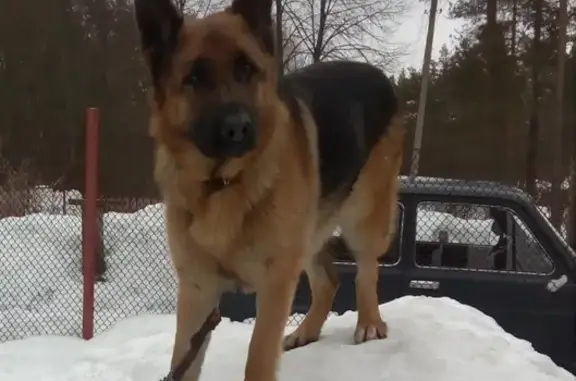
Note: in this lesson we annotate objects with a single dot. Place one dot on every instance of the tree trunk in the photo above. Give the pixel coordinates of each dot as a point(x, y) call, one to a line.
point(534, 127)
point(318, 48)
point(499, 92)
point(571, 229)
point(557, 206)
point(513, 37)
point(512, 136)
point(491, 10)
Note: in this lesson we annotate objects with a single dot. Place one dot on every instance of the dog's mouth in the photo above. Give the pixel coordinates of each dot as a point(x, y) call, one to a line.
point(216, 183)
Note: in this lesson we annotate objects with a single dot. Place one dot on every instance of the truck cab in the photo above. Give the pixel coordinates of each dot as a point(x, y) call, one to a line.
point(483, 244)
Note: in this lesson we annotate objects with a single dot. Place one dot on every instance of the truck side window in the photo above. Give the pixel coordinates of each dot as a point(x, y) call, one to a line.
point(477, 237)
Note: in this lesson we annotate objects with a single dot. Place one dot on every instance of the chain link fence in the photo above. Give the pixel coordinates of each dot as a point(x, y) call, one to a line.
point(139, 277)
point(41, 251)
point(40, 264)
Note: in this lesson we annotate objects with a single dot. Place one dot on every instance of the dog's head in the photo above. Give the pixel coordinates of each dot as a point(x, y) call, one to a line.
point(214, 81)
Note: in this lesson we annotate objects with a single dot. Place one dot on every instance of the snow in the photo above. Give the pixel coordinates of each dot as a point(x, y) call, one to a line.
point(41, 299)
point(429, 339)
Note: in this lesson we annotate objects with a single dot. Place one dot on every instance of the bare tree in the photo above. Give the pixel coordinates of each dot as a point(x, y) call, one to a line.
point(291, 55)
point(181, 4)
point(333, 29)
point(287, 55)
point(199, 8)
point(279, 37)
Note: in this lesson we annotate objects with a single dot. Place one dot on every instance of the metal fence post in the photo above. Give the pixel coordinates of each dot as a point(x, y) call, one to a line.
point(89, 221)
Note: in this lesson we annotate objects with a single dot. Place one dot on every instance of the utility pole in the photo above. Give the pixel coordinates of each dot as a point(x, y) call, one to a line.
point(423, 91)
point(557, 206)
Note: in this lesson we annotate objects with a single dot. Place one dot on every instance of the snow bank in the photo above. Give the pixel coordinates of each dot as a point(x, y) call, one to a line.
point(430, 339)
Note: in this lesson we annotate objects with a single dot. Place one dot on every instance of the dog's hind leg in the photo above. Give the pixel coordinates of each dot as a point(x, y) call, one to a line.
point(371, 228)
point(323, 280)
point(199, 290)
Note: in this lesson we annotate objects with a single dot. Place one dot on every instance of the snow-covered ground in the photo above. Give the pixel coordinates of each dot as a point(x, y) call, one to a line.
point(41, 297)
point(434, 339)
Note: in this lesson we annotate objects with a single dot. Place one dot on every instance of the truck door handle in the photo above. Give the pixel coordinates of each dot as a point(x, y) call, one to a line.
point(424, 284)
point(555, 284)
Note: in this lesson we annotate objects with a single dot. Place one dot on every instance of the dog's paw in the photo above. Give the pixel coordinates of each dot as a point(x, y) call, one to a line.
point(298, 338)
point(371, 331)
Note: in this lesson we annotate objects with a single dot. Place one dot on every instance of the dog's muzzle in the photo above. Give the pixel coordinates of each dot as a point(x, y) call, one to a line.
point(226, 131)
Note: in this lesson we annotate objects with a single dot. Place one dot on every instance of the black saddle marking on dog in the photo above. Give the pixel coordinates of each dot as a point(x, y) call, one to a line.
point(352, 104)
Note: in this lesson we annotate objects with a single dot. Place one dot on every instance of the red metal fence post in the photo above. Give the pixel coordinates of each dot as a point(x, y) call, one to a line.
point(89, 221)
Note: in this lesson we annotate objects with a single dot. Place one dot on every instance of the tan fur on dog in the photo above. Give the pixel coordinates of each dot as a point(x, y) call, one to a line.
point(269, 223)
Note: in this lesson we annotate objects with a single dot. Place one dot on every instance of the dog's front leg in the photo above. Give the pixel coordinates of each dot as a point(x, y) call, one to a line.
point(199, 289)
point(197, 297)
point(273, 302)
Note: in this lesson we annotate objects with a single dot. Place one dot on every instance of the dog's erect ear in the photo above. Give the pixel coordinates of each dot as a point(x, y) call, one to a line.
point(258, 16)
point(159, 23)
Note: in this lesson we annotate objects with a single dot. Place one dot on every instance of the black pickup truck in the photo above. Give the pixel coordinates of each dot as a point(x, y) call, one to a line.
point(481, 243)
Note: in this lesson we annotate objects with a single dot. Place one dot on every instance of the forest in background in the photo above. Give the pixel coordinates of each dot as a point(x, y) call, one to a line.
point(490, 113)
point(491, 104)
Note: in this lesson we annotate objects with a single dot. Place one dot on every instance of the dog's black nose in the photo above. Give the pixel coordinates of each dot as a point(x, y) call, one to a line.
point(237, 131)
point(227, 130)
point(237, 127)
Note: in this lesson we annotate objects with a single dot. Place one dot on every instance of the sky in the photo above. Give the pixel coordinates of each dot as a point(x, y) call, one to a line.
point(414, 26)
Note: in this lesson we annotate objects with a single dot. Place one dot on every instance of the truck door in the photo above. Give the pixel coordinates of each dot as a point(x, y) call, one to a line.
point(492, 257)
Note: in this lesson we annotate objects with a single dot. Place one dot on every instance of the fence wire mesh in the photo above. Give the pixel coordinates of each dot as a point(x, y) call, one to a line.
point(41, 251)
point(40, 264)
point(138, 276)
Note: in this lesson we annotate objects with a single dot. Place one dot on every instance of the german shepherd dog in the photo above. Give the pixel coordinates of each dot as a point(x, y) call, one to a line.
point(257, 172)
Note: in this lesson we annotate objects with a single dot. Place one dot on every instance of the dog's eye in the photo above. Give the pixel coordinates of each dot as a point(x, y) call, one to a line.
point(199, 74)
point(244, 69)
